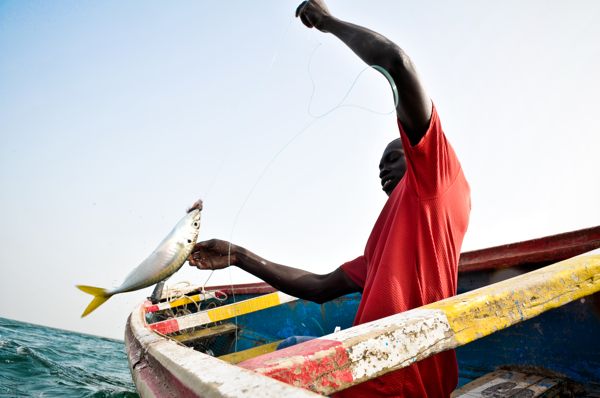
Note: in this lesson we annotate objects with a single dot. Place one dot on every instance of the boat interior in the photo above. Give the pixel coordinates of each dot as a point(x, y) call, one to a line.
point(554, 354)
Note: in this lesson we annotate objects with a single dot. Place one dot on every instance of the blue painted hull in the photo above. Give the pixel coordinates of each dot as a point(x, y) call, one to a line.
point(564, 340)
point(298, 318)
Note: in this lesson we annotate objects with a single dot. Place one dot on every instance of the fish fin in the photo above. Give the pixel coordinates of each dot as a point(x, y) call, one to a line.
point(99, 294)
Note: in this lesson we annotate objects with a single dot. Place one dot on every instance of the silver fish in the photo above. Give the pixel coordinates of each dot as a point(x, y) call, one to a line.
point(164, 261)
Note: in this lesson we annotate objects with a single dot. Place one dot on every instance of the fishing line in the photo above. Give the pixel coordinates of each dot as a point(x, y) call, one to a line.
point(207, 279)
point(265, 74)
point(341, 104)
point(263, 79)
point(316, 118)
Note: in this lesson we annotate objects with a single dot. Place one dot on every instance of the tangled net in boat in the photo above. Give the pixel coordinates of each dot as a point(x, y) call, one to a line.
point(190, 300)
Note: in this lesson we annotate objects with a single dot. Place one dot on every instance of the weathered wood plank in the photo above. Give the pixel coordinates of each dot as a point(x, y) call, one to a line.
point(507, 384)
point(214, 331)
point(536, 252)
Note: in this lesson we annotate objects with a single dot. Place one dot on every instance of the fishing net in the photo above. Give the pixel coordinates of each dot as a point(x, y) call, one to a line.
point(180, 300)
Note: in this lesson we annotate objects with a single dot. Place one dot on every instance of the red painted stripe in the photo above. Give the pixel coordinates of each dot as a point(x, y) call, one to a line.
point(151, 308)
point(244, 288)
point(305, 349)
point(165, 327)
point(535, 252)
point(330, 369)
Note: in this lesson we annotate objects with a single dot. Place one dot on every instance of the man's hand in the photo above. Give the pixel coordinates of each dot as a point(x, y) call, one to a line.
point(213, 254)
point(313, 14)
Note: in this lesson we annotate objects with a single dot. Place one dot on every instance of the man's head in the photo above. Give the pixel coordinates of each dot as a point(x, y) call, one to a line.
point(392, 166)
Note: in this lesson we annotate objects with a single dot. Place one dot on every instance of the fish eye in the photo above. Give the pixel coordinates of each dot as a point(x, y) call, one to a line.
point(195, 224)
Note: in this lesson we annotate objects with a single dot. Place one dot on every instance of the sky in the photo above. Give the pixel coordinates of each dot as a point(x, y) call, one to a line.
point(116, 116)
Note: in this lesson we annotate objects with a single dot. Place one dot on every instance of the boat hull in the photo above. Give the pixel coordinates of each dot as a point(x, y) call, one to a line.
point(162, 368)
point(562, 339)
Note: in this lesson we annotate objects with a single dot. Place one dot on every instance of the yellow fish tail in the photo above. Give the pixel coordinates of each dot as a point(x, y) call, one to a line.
point(99, 294)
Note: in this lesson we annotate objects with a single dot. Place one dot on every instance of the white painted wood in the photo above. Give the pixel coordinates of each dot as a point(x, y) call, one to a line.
point(205, 375)
point(393, 342)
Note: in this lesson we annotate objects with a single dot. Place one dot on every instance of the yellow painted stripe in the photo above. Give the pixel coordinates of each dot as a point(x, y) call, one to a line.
point(188, 300)
point(237, 357)
point(480, 312)
point(231, 310)
point(244, 307)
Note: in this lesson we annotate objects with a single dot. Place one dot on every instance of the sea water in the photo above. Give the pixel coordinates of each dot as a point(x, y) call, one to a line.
point(38, 361)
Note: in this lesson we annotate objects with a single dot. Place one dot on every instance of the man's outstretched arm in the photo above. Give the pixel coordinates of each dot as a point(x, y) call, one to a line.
point(414, 106)
point(218, 254)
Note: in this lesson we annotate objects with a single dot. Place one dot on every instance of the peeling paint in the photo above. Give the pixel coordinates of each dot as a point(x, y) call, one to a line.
point(381, 346)
point(423, 330)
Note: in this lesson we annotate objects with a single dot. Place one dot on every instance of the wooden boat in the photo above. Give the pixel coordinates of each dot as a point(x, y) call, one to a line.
point(221, 341)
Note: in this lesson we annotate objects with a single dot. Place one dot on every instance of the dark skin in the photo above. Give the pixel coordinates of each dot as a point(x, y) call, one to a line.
point(413, 111)
point(414, 106)
point(392, 166)
point(213, 254)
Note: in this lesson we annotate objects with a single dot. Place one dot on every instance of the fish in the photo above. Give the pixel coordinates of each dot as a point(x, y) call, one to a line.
point(164, 261)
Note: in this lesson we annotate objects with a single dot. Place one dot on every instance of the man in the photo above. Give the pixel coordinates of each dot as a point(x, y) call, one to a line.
point(411, 257)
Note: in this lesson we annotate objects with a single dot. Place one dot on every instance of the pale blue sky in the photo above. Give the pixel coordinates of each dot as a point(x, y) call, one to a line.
point(115, 116)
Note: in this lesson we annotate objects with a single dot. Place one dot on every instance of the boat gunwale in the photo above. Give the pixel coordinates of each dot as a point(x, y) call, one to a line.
point(161, 367)
point(337, 361)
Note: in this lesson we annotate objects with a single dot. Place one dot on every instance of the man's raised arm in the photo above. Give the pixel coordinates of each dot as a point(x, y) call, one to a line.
point(414, 106)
